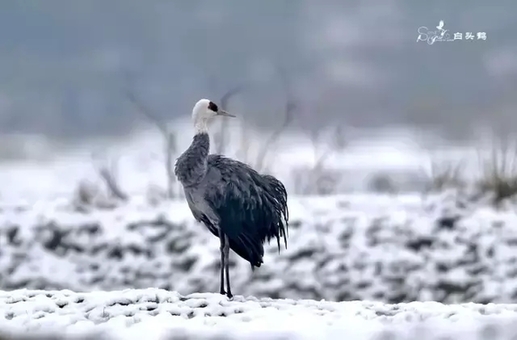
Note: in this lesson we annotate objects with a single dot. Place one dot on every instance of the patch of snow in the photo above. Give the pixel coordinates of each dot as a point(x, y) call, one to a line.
point(157, 314)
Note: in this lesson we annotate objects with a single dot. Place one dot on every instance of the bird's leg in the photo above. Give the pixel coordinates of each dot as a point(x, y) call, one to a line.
point(222, 240)
point(226, 251)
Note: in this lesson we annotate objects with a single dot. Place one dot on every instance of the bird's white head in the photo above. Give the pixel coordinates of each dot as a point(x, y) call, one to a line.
point(203, 112)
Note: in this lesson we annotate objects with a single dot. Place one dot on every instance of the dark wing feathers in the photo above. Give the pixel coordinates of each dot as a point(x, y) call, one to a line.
point(252, 208)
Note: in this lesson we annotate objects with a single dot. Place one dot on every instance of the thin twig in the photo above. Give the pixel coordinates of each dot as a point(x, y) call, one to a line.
point(147, 112)
point(320, 158)
point(290, 107)
point(108, 174)
point(170, 139)
point(220, 139)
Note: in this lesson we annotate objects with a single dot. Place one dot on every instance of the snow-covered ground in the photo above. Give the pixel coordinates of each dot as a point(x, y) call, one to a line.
point(155, 314)
point(130, 260)
point(353, 249)
point(369, 247)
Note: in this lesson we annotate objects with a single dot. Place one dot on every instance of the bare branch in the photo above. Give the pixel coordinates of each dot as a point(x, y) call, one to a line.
point(338, 143)
point(112, 184)
point(108, 175)
point(169, 164)
point(225, 99)
point(288, 118)
point(290, 107)
point(170, 138)
point(220, 138)
point(244, 144)
point(321, 156)
point(314, 136)
point(146, 112)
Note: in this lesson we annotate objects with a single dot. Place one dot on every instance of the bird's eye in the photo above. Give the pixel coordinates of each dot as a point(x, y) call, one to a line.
point(213, 107)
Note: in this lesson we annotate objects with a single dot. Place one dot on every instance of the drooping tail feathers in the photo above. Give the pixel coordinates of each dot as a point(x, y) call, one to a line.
point(263, 218)
point(251, 208)
point(277, 197)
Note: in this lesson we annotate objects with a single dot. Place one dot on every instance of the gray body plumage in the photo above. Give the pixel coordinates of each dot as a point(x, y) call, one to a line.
point(232, 200)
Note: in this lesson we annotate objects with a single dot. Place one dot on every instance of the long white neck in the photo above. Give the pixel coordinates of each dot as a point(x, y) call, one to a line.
point(201, 126)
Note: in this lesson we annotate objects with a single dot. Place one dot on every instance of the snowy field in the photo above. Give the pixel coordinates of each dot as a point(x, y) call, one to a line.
point(358, 247)
point(155, 314)
point(394, 250)
point(144, 268)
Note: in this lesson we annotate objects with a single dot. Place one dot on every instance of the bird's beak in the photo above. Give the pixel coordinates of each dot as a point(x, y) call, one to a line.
point(224, 113)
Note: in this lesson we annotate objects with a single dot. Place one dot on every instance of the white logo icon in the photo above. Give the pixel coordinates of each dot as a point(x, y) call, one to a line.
point(443, 35)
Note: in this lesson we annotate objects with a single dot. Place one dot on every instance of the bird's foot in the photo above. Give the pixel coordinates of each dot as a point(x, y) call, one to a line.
point(222, 292)
point(229, 295)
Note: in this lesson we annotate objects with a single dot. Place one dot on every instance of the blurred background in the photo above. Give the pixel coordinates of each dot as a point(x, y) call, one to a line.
point(66, 69)
point(334, 97)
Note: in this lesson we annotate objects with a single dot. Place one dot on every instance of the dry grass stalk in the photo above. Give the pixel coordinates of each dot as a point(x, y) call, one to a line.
point(498, 175)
